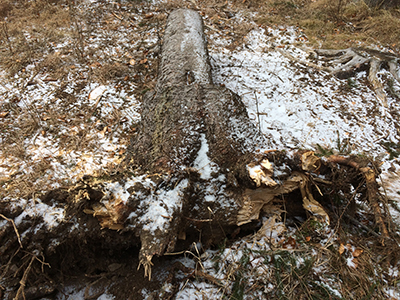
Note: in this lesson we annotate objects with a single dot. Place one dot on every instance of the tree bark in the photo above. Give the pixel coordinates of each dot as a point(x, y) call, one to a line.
point(190, 168)
point(192, 133)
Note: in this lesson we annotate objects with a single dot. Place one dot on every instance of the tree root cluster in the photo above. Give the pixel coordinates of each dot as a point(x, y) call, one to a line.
point(309, 187)
point(346, 63)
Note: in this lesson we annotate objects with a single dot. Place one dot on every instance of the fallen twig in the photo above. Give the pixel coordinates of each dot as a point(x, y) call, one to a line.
point(21, 288)
point(15, 228)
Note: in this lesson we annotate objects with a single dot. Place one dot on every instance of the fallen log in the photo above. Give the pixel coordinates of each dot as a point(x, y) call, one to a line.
point(197, 135)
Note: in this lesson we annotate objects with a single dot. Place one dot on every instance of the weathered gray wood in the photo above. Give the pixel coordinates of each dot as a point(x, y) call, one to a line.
point(184, 51)
point(185, 104)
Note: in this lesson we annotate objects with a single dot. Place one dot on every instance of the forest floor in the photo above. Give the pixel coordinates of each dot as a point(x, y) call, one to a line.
point(72, 74)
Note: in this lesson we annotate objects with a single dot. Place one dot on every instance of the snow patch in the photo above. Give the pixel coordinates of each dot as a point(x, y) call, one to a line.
point(52, 215)
point(202, 162)
point(119, 191)
point(161, 207)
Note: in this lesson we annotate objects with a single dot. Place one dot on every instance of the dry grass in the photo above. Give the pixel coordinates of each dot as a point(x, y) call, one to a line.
point(335, 24)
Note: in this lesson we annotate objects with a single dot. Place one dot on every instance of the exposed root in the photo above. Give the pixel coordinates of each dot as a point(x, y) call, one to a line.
point(372, 190)
point(22, 283)
point(15, 228)
point(349, 61)
point(394, 70)
point(375, 82)
point(344, 63)
point(146, 263)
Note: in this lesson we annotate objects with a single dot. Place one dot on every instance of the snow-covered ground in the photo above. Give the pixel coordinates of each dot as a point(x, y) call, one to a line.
point(300, 107)
point(296, 106)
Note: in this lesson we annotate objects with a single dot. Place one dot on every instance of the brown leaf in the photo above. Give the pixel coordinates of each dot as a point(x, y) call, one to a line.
point(290, 242)
point(357, 252)
point(355, 262)
point(4, 114)
point(96, 64)
point(341, 249)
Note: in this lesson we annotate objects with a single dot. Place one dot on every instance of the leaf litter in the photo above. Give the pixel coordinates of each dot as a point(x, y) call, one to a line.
point(86, 133)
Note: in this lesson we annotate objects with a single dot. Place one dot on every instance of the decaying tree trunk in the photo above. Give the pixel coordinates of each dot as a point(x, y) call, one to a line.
point(193, 135)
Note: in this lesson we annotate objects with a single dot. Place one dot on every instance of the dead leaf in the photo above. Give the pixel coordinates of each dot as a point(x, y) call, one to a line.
point(96, 64)
point(310, 162)
point(308, 238)
point(132, 62)
point(314, 207)
point(355, 263)
point(97, 93)
point(4, 114)
point(290, 242)
point(341, 249)
point(357, 252)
